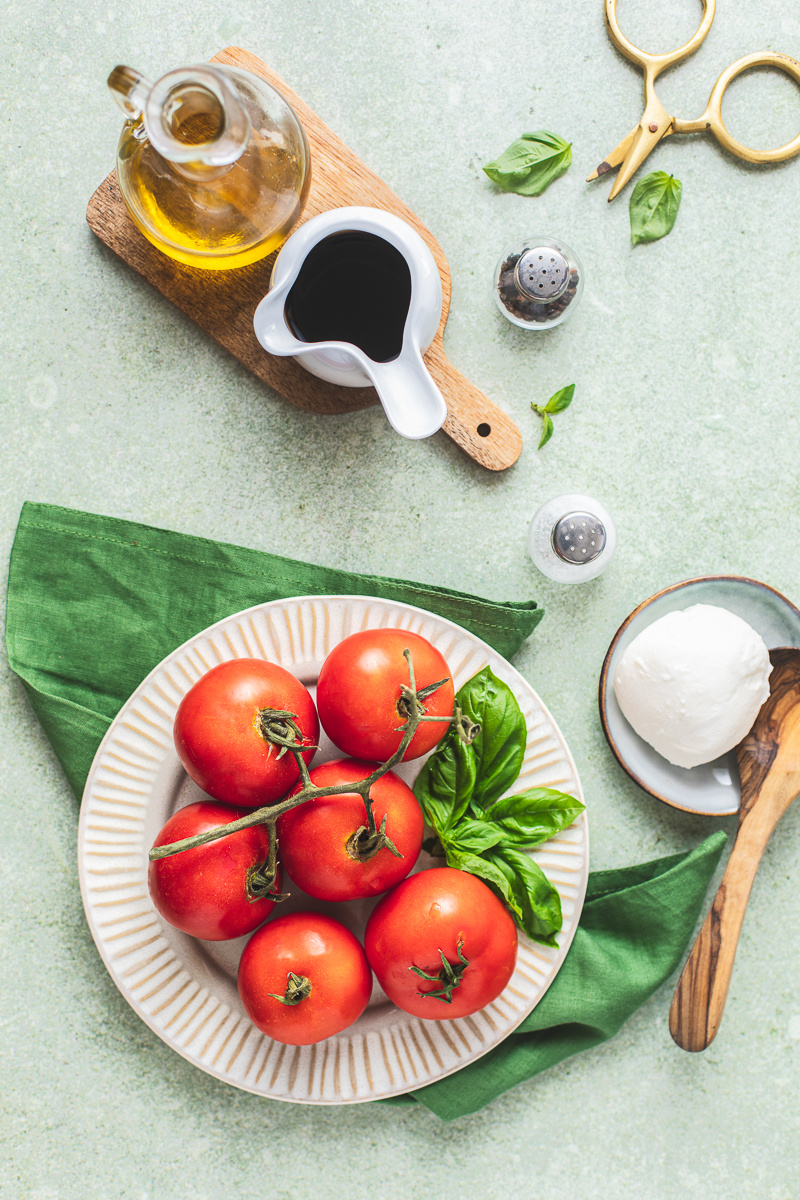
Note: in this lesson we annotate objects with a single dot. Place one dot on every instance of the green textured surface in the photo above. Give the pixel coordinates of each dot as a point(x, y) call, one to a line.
point(684, 353)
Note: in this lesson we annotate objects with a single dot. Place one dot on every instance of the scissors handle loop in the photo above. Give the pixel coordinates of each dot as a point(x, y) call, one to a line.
point(711, 119)
point(654, 64)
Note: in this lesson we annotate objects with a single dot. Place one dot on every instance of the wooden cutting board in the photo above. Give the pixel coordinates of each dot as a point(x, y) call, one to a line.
point(223, 302)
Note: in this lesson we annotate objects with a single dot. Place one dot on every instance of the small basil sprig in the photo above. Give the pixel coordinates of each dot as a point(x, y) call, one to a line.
point(556, 404)
point(531, 163)
point(460, 789)
point(654, 206)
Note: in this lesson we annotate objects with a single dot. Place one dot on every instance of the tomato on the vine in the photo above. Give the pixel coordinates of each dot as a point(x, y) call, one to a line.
point(441, 944)
point(317, 839)
point(359, 694)
point(213, 891)
point(222, 731)
point(304, 977)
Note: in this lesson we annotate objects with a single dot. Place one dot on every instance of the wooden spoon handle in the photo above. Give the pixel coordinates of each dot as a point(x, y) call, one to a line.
point(702, 990)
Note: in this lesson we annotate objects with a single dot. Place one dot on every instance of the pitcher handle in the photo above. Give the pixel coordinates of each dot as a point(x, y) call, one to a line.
point(413, 404)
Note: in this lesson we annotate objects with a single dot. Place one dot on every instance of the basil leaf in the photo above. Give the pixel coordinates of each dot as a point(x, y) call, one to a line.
point(547, 430)
point(499, 748)
point(529, 894)
point(475, 865)
point(445, 784)
point(654, 206)
point(474, 836)
point(531, 163)
point(561, 400)
point(533, 816)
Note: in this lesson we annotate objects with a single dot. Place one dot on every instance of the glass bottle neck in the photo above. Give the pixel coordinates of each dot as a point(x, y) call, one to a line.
point(192, 116)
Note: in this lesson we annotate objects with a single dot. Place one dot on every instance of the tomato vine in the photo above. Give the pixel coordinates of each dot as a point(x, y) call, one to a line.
point(280, 729)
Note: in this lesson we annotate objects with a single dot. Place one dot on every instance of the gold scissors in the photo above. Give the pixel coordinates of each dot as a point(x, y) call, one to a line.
point(656, 123)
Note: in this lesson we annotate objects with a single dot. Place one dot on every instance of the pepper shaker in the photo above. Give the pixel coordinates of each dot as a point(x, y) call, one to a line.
point(572, 538)
point(538, 282)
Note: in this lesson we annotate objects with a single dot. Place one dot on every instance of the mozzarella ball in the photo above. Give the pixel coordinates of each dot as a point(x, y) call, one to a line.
point(691, 684)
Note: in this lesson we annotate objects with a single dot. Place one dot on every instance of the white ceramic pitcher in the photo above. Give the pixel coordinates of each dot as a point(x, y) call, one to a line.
point(411, 400)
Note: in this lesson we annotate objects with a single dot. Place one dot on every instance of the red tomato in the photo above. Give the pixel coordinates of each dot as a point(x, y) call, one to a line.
point(217, 734)
point(313, 960)
point(441, 912)
point(313, 837)
point(360, 686)
point(203, 891)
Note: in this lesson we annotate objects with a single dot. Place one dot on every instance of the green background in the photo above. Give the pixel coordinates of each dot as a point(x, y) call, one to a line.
point(684, 355)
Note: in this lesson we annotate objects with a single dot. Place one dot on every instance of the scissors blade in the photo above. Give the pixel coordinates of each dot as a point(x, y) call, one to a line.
point(614, 158)
point(645, 138)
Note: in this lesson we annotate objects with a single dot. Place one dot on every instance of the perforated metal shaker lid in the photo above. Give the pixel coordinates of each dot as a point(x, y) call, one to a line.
point(579, 537)
point(542, 273)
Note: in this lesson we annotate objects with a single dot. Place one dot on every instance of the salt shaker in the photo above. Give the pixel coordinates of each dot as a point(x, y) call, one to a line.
point(538, 282)
point(572, 538)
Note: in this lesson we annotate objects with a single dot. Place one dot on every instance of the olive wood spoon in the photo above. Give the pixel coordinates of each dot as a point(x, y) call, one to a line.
point(769, 766)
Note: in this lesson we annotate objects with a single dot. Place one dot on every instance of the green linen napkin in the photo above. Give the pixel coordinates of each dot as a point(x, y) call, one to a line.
point(95, 603)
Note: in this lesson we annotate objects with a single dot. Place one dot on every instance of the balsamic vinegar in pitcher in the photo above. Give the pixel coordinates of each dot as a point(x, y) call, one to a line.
point(352, 287)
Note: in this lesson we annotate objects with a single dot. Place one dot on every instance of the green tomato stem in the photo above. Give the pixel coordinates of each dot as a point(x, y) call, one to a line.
point(364, 844)
point(279, 728)
point(298, 987)
point(449, 977)
point(260, 879)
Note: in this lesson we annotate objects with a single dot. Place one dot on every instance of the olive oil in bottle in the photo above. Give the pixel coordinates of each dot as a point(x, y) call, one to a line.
point(212, 163)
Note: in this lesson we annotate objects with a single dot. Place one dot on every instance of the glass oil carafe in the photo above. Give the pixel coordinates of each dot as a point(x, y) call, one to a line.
point(212, 163)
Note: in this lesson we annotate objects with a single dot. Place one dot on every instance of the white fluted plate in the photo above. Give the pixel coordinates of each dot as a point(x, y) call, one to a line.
point(185, 989)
